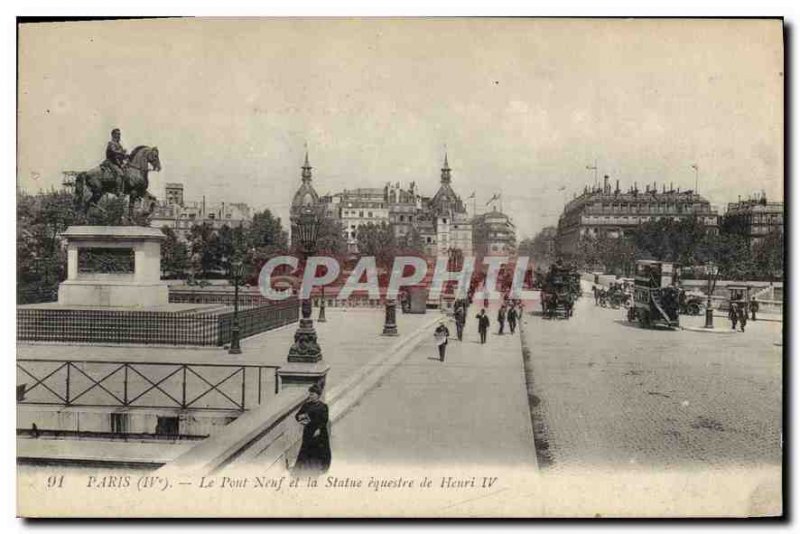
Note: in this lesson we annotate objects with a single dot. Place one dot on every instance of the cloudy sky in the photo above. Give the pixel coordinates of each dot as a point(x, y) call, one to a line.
point(522, 105)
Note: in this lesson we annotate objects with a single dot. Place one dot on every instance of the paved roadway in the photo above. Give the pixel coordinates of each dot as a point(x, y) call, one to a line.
point(615, 395)
point(471, 409)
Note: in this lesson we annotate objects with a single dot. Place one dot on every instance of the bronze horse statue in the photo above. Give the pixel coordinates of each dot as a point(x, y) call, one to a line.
point(101, 180)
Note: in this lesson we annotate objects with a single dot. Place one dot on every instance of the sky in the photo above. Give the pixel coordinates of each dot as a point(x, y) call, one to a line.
point(522, 106)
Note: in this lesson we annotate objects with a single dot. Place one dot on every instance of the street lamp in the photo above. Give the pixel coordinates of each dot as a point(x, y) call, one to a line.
point(321, 318)
point(305, 348)
point(712, 275)
point(237, 268)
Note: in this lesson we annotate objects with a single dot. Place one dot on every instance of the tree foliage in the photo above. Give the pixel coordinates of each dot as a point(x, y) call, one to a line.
point(687, 242)
point(377, 240)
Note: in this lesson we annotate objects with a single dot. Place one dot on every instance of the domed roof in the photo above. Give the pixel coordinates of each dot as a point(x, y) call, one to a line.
point(446, 200)
point(305, 196)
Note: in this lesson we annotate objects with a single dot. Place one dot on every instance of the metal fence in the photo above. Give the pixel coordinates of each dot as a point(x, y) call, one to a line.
point(258, 319)
point(150, 327)
point(97, 383)
point(225, 295)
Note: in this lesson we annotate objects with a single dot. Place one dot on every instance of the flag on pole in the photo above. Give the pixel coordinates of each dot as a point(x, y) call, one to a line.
point(471, 196)
point(694, 166)
point(562, 187)
point(494, 197)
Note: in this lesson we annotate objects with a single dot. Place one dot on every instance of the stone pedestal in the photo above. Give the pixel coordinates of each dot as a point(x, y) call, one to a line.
point(113, 266)
point(390, 322)
point(302, 375)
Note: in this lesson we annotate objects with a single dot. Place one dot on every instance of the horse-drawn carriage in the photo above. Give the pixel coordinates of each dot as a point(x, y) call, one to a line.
point(559, 290)
point(656, 298)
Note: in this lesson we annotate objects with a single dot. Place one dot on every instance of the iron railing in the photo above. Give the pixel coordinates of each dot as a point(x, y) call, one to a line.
point(149, 327)
point(97, 383)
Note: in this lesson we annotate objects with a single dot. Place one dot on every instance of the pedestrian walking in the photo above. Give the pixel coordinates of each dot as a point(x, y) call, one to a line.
point(441, 334)
point(501, 318)
point(512, 318)
point(594, 291)
point(460, 316)
point(315, 448)
point(753, 308)
point(733, 315)
point(742, 316)
point(483, 324)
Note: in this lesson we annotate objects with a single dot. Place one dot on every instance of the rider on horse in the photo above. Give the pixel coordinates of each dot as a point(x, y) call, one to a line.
point(115, 159)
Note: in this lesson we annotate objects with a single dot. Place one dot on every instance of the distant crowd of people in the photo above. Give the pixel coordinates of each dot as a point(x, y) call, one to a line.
point(510, 312)
point(737, 313)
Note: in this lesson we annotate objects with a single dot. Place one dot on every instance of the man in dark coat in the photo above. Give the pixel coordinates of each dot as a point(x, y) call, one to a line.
point(483, 324)
point(501, 318)
point(315, 450)
point(460, 316)
point(512, 318)
point(753, 308)
point(441, 334)
point(733, 315)
point(742, 315)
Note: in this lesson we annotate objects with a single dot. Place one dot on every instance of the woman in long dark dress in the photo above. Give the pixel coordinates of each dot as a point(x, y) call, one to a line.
point(315, 449)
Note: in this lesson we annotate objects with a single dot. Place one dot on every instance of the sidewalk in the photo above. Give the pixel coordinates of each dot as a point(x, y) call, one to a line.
point(472, 408)
point(349, 339)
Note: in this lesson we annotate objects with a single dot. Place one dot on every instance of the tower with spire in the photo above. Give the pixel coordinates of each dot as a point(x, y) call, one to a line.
point(452, 225)
point(305, 197)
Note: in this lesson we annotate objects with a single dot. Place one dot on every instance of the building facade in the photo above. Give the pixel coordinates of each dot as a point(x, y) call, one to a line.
point(756, 217)
point(180, 215)
point(602, 211)
point(441, 222)
point(494, 234)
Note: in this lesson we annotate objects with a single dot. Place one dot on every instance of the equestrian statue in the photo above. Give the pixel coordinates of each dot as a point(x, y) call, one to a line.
point(119, 174)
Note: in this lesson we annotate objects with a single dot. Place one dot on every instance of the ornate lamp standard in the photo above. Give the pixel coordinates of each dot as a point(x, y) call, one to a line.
point(712, 275)
point(305, 348)
point(238, 269)
point(321, 318)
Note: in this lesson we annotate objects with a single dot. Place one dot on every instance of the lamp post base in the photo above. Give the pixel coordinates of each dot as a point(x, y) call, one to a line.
point(709, 317)
point(390, 322)
point(305, 348)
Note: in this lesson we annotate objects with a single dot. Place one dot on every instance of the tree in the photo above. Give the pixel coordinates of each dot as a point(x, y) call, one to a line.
point(541, 249)
point(378, 241)
point(412, 243)
point(768, 256)
point(174, 255)
point(330, 239)
point(202, 243)
point(266, 234)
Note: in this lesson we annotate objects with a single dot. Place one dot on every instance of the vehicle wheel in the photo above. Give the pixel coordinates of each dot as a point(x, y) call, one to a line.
point(693, 309)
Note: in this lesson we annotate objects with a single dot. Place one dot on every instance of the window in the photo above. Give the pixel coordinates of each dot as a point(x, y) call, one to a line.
point(369, 214)
point(167, 426)
point(119, 423)
point(402, 218)
point(360, 213)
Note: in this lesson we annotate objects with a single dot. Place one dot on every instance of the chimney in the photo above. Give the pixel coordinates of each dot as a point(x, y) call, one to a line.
point(605, 184)
point(617, 189)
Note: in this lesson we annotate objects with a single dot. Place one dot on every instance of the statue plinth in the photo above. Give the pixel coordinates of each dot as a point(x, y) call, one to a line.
point(113, 266)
